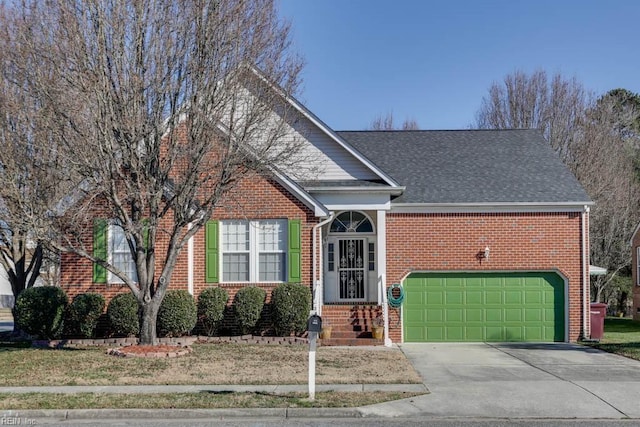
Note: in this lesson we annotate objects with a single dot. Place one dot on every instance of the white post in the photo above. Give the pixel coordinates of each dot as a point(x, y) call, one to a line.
point(312, 365)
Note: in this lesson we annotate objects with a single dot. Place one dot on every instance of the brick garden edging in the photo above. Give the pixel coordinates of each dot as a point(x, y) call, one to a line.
point(179, 341)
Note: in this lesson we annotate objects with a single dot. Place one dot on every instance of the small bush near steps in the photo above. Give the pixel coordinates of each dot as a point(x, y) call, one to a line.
point(247, 306)
point(40, 311)
point(83, 314)
point(177, 315)
point(211, 305)
point(290, 303)
point(122, 313)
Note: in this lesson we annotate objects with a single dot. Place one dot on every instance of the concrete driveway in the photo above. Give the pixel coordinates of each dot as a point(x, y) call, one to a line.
point(517, 380)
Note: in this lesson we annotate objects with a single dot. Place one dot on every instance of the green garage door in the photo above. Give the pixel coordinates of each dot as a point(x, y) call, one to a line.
point(484, 307)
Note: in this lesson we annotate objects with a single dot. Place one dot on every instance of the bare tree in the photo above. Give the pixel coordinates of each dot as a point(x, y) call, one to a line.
point(169, 112)
point(555, 106)
point(387, 123)
point(591, 138)
point(32, 179)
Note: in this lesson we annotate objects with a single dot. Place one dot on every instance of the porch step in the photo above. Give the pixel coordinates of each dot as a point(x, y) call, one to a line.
point(350, 324)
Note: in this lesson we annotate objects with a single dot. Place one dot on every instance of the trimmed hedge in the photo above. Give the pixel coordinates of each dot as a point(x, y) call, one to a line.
point(177, 315)
point(83, 314)
point(122, 313)
point(211, 305)
point(247, 306)
point(290, 303)
point(40, 311)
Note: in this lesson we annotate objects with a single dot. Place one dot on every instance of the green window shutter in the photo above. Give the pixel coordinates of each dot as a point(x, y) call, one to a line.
point(100, 249)
point(211, 252)
point(294, 256)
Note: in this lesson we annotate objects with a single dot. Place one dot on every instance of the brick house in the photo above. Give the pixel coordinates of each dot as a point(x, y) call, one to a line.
point(484, 233)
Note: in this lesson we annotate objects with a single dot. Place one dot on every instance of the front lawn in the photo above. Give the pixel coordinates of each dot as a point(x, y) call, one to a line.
point(207, 364)
point(621, 336)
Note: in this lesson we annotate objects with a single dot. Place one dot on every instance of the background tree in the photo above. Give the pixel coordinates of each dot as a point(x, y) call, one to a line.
point(32, 179)
point(603, 161)
point(556, 106)
point(169, 114)
point(595, 138)
point(386, 122)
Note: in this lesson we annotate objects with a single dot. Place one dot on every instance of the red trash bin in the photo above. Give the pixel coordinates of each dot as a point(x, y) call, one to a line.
point(598, 313)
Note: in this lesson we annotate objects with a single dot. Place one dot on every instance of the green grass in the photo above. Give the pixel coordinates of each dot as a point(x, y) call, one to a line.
point(203, 400)
point(621, 336)
point(206, 364)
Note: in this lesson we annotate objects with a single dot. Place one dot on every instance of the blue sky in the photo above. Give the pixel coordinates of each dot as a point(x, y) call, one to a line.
point(433, 61)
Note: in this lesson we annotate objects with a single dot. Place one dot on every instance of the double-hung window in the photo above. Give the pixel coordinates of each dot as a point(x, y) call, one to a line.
point(120, 254)
point(254, 251)
point(110, 245)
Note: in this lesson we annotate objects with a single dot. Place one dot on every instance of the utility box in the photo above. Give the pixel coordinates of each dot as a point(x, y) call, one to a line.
point(314, 324)
point(598, 313)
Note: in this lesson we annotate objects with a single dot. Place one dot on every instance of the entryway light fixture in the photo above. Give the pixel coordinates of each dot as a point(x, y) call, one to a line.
point(483, 255)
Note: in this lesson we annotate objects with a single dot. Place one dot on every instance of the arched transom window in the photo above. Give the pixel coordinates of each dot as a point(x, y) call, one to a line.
point(351, 222)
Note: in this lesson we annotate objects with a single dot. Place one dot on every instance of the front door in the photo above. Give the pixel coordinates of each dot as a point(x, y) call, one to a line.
point(347, 270)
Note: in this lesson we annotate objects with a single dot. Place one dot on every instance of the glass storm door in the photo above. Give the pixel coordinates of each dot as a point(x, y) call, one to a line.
point(351, 269)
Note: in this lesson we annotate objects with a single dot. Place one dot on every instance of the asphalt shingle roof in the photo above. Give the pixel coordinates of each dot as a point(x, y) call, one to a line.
point(470, 166)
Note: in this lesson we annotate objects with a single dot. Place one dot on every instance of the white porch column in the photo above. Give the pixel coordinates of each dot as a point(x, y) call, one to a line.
point(381, 254)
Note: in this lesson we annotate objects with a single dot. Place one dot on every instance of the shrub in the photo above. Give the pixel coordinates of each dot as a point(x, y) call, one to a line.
point(211, 305)
point(290, 303)
point(177, 315)
point(122, 313)
point(247, 307)
point(83, 314)
point(40, 311)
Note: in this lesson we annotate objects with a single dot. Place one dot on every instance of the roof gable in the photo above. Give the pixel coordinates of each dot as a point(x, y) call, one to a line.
point(326, 154)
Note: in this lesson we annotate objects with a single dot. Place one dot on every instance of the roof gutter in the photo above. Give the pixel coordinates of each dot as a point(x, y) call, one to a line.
point(489, 207)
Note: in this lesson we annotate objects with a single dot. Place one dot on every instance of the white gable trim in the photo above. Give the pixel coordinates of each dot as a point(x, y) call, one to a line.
point(319, 210)
point(327, 130)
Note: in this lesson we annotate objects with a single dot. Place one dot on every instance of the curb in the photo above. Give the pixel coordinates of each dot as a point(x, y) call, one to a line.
point(31, 416)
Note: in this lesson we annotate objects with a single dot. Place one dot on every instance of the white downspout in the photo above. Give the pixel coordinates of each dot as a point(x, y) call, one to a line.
point(585, 276)
point(317, 258)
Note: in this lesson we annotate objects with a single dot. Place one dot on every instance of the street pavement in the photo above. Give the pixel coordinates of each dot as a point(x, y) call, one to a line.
point(475, 381)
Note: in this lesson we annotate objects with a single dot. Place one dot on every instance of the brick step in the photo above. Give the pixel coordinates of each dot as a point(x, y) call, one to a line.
point(5, 314)
point(349, 334)
point(346, 327)
point(350, 341)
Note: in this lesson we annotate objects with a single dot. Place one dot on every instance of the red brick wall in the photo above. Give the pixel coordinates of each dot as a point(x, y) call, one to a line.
point(251, 198)
point(517, 241)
